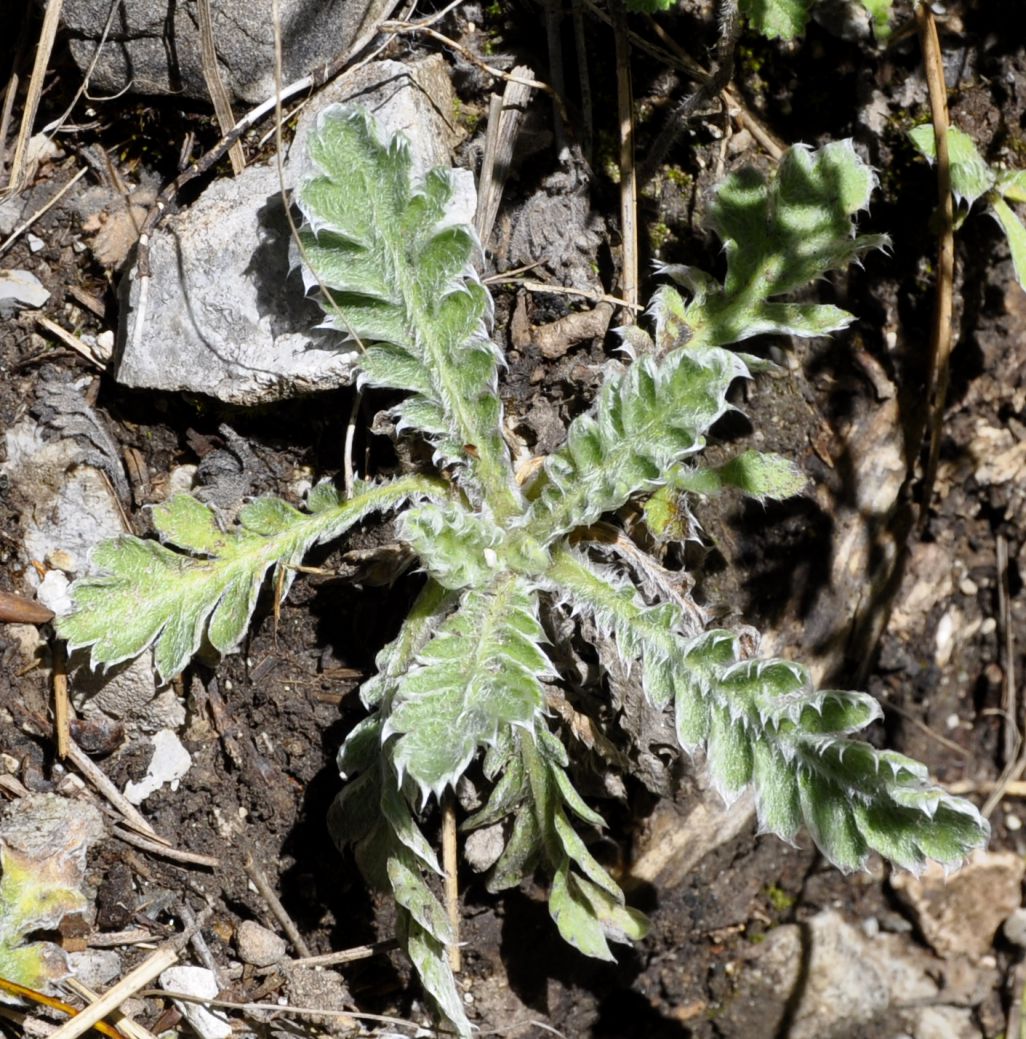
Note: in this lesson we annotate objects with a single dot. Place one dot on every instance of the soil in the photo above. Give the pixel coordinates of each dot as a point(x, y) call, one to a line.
point(936, 632)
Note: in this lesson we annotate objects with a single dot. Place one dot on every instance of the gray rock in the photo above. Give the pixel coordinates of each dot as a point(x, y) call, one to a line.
point(258, 945)
point(827, 979)
point(96, 968)
point(201, 983)
point(67, 509)
point(227, 313)
point(960, 914)
point(154, 46)
point(21, 289)
point(1014, 928)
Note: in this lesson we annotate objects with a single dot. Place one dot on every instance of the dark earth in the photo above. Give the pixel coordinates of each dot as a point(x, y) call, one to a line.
point(924, 627)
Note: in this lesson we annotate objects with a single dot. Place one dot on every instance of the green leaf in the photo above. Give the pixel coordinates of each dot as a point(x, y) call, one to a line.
point(777, 19)
point(759, 474)
point(1016, 235)
point(971, 177)
point(149, 595)
point(780, 234)
point(762, 723)
point(401, 281)
point(575, 916)
point(43, 856)
point(478, 676)
point(457, 548)
point(880, 11)
point(430, 957)
point(643, 423)
point(1012, 185)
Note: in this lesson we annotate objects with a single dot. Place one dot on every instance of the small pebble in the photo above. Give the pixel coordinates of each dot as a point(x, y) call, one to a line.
point(988, 626)
point(951, 722)
point(1014, 928)
point(258, 945)
point(34, 242)
point(967, 586)
point(1012, 822)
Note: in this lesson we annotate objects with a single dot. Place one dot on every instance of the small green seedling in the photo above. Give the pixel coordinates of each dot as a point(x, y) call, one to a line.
point(470, 677)
point(973, 179)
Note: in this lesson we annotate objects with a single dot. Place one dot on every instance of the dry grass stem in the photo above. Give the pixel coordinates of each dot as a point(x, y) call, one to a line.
point(128, 986)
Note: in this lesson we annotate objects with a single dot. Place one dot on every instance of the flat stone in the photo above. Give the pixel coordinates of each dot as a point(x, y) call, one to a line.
point(21, 289)
point(155, 47)
point(201, 983)
point(227, 313)
point(960, 914)
point(258, 945)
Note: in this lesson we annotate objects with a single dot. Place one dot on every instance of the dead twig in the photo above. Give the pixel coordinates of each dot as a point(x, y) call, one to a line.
point(124, 1024)
point(167, 851)
point(490, 70)
point(358, 952)
point(47, 35)
point(1015, 747)
point(107, 789)
point(128, 986)
point(69, 340)
point(450, 869)
point(24, 226)
point(256, 874)
point(215, 85)
point(558, 290)
point(937, 369)
point(277, 1009)
point(628, 172)
point(61, 706)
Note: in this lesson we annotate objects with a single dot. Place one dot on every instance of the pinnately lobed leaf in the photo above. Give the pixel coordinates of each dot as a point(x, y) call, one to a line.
point(400, 280)
point(148, 594)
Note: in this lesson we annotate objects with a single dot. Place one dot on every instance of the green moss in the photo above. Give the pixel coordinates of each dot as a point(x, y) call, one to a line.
point(779, 898)
point(678, 178)
point(658, 235)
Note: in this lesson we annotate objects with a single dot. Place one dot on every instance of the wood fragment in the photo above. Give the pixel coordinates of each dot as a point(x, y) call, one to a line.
point(61, 704)
point(505, 117)
point(19, 609)
point(555, 338)
point(131, 983)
